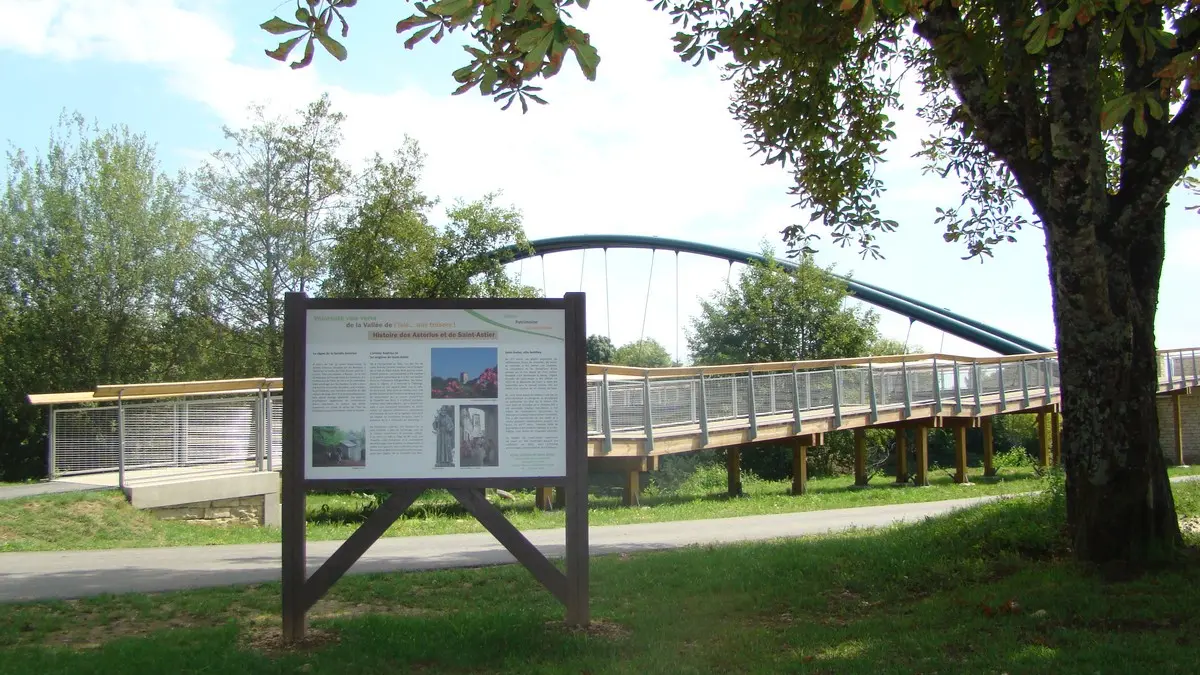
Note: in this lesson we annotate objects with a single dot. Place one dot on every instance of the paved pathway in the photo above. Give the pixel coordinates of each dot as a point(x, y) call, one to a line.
point(70, 574)
point(43, 488)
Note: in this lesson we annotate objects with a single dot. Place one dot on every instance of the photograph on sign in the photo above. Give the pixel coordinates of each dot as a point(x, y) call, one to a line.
point(435, 394)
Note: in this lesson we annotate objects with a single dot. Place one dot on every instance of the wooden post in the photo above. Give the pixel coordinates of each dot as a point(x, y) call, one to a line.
point(633, 488)
point(921, 454)
point(1178, 431)
point(799, 468)
point(577, 556)
point(733, 468)
point(960, 454)
point(1043, 448)
point(543, 498)
point(902, 455)
point(294, 558)
point(1055, 449)
point(860, 456)
point(989, 467)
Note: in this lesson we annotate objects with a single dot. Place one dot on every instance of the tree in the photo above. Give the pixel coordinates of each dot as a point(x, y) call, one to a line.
point(387, 240)
point(600, 349)
point(884, 346)
point(643, 353)
point(268, 199)
point(772, 314)
point(99, 266)
point(388, 247)
point(1084, 109)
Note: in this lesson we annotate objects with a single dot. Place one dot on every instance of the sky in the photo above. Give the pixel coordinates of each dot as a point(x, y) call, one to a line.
point(649, 148)
point(449, 363)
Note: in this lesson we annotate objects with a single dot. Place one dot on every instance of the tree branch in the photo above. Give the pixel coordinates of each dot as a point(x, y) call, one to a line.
point(998, 124)
point(1168, 158)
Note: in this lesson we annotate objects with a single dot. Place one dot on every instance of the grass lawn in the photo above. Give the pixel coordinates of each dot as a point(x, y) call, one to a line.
point(987, 590)
point(100, 520)
point(103, 520)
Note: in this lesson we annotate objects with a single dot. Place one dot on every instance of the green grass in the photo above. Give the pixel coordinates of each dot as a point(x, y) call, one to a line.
point(103, 520)
point(929, 597)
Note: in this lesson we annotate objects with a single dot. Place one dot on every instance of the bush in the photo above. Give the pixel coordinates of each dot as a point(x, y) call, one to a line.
point(1014, 458)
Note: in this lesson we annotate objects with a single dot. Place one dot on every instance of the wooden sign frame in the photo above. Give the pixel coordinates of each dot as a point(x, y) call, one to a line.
point(301, 592)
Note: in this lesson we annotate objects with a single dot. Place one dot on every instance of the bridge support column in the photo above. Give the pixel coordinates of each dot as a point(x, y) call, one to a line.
point(543, 498)
point(1178, 431)
point(1043, 447)
point(901, 455)
point(799, 467)
point(860, 456)
point(960, 455)
point(560, 498)
point(733, 468)
point(989, 467)
point(633, 488)
point(921, 455)
point(1055, 438)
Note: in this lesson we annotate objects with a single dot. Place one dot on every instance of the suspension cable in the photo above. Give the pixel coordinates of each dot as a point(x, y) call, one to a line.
point(729, 273)
point(649, 280)
point(607, 304)
point(582, 265)
point(677, 359)
point(544, 293)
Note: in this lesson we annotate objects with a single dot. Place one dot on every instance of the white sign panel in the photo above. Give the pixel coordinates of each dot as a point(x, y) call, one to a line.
point(435, 394)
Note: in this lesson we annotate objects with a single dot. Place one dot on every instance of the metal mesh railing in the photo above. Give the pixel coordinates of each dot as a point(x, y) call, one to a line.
point(183, 433)
point(700, 399)
point(216, 431)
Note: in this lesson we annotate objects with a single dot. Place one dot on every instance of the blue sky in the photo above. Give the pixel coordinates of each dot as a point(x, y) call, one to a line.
point(449, 362)
point(647, 149)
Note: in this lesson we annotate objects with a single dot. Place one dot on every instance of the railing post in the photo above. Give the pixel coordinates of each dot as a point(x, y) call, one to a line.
point(258, 418)
point(1025, 381)
point(51, 472)
point(837, 399)
point(796, 424)
point(771, 390)
point(120, 440)
point(1195, 373)
point(957, 390)
point(907, 390)
point(703, 413)
point(871, 392)
point(606, 413)
point(753, 404)
point(269, 416)
point(187, 426)
point(808, 390)
point(692, 397)
point(1182, 371)
point(648, 413)
point(1003, 391)
point(975, 375)
point(1046, 374)
point(937, 387)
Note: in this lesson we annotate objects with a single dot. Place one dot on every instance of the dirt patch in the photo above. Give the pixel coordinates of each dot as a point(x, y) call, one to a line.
point(92, 631)
point(1189, 525)
point(597, 628)
point(268, 640)
point(88, 508)
point(327, 608)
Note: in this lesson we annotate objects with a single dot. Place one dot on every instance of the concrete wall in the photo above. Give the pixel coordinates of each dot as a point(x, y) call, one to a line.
point(216, 511)
point(1189, 410)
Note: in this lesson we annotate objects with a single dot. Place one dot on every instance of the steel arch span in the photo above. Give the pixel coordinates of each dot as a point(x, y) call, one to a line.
point(957, 325)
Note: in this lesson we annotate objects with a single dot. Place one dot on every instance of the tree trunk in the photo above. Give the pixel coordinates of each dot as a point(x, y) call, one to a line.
point(1119, 502)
